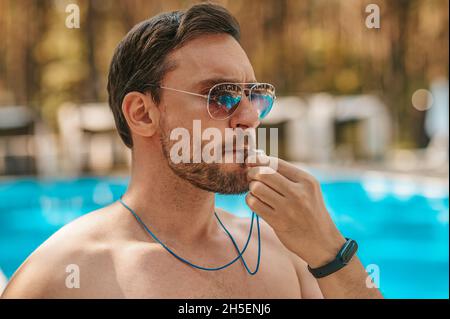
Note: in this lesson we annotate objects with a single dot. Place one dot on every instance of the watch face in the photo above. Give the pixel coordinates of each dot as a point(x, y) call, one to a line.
point(349, 250)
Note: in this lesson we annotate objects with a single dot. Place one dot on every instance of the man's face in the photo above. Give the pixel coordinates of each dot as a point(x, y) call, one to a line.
point(201, 63)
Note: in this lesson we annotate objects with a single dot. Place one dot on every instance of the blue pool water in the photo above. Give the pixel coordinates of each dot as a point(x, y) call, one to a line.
point(401, 227)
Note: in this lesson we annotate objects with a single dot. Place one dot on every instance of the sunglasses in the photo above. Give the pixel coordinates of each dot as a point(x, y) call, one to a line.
point(223, 99)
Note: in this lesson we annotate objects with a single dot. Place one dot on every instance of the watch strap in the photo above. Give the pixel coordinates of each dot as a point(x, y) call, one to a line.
point(336, 264)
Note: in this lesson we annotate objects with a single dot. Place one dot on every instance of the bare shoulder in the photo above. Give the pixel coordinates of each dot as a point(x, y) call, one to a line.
point(81, 247)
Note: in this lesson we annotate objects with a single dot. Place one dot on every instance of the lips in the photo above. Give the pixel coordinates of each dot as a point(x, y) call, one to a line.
point(235, 149)
point(242, 150)
point(239, 155)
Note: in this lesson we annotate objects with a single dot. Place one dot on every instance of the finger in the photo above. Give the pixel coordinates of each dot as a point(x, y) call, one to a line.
point(291, 171)
point(259, 207)
point(286, 169)
point(271, 178)
point(266, 194)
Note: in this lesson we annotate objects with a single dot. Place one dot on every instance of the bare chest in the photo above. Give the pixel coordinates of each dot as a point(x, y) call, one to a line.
point(171, 278)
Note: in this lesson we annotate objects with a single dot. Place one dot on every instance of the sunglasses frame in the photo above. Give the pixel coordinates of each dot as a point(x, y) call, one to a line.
point(207, 96)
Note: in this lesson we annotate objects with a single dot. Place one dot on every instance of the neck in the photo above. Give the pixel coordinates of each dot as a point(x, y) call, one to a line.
point(169, 205)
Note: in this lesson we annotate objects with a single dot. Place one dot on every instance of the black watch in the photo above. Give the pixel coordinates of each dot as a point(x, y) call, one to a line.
point(343, 258)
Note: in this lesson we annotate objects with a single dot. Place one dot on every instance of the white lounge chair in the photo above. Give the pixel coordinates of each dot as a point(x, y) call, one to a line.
point(3, 281)
point(89, 138)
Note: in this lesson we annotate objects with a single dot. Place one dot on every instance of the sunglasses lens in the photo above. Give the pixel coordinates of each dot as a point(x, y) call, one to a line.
point(223, 100)
point(262, 97)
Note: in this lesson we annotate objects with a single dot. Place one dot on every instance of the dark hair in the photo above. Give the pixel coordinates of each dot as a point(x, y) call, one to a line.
point(139, 61)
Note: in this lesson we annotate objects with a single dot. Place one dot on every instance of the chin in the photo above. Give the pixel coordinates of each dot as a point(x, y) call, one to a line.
point(224, 178)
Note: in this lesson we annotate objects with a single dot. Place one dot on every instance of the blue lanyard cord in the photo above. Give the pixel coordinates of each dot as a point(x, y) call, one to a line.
point(237, 247)
point(240, 253)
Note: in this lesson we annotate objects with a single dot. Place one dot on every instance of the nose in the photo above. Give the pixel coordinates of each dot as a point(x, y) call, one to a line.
point(246, 115)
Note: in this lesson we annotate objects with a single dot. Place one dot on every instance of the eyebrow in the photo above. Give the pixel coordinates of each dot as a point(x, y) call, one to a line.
point(210, 82)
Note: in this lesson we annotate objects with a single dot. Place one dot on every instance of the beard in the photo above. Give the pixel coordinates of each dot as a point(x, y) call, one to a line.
point(230, 178)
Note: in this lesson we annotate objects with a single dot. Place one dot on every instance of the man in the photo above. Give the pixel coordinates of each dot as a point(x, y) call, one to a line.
point(167, 72)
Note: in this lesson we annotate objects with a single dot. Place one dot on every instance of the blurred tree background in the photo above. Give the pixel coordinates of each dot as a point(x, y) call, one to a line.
point(302, 46)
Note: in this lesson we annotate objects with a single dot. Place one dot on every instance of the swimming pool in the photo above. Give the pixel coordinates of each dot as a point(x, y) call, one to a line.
point(402, 227)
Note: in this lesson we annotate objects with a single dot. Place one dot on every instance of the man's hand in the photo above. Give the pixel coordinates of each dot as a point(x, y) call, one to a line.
point(290, 200)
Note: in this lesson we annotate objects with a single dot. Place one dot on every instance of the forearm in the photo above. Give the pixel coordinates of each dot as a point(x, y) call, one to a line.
point(348, 283)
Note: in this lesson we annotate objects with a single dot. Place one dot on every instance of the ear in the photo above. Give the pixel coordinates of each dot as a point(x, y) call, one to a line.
point(141, 113)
